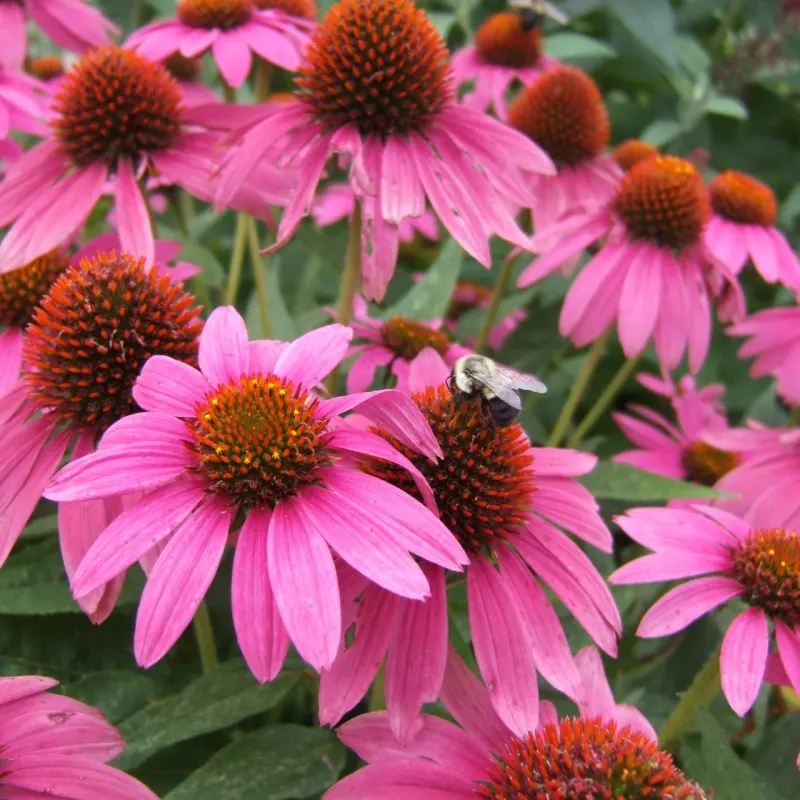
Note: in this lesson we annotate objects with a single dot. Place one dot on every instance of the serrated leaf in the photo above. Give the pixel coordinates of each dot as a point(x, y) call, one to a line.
point(661, 132)
point(430, 298)
point(612, 481)
point(275, 763)
point(568, 46)
point(217, 700)
point(652, 24)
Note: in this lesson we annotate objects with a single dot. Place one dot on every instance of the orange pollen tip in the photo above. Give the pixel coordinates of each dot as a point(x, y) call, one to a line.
point(305, 9)
point(586, 758)
point(22, 289)
point(258, 440)
point(504, 40)
point(743, 199)
point(93, 331)
point(663, 200)
point(563, 112)
point(767, 564)
point(705, 464)
point(46, 68)
point(407, 338)
point(209, 14)
point(114, 103)
point(484, 484)
point(380, 65)
point(631, 152)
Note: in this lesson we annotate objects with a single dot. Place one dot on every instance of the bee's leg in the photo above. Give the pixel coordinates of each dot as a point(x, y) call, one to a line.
point(486, 409)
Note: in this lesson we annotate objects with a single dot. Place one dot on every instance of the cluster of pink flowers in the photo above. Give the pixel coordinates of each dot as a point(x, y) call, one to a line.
point(168, 439)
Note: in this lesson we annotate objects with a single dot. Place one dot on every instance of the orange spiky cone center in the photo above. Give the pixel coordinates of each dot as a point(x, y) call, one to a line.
point(505, 41)
point(209, 14)
point(743, 199)
point(407, 338)
point(305, 9)
point(21, 290)
point(630, 152)
point(705, 464)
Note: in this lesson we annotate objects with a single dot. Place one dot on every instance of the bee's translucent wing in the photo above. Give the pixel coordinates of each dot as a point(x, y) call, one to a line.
point(521, 380)
point(541, 7)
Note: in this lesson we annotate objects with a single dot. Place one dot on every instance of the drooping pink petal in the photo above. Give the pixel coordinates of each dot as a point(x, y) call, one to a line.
point(304, 583)
point(223, 355)
point(744, 658)
point(639, 300)
point(233, 57)
point(684, 604)
point(180, 579)
point(311, 357)
point(10, 357)
point(133, 220)
point(427, 369)
point(13, 36)
point(362, 371)
point(170, 386)
point(789, 648)
point(260, 631)
point(401, 192)
point(417, 657)
point(15, 688)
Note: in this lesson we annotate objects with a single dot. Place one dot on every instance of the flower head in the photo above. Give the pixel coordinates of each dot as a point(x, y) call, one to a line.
point(761, 566)
point(653, 275)
point(233, 30)
point(743, 226)
point(307, 9)
point(504, 501)
point(608, 751)
point(115, 115)
point(59, 747)
point(246, 435)
point(630, 152)
point(392, 119)
point(506, 49)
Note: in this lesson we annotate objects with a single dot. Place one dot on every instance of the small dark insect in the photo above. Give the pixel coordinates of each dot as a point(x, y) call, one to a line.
point(497, 386)
point(534, 12)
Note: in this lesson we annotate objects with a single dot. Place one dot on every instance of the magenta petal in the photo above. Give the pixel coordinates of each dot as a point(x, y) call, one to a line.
point(15, 688)
point(170, 386)
point(150, 428)
point(180, 579)
point(303, 578)
point(789, 649)
point(427, 369)
point(10, 358)
point(309, 359)
point(743, 659)
point(133, 220)
point(224, 356)
point(260, 631)
point(133, 533)
point(503, 648)
point(417, 658)
point(685, 603)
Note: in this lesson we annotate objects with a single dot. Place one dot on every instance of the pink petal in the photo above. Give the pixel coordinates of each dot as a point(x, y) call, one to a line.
point(743, 659)
point(682, 605)
point(596, 697)
point(10, 358)
point(264, 355)
point(401, 192)
point(668, 566)
point(180, 579)
point(13, 38)
point(639, 300)
point(427, 369)
point(558, 463)
point(362, 371)
point(133, 220)
point(150, 428)
point(304, 582)
point(16, 688)
point(260, 631)
point(233, 57)
point(170, 386)
point(224, 356)
point(789, 648)
point(309, 359)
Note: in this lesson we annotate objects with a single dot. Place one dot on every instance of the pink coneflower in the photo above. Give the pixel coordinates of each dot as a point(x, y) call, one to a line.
point(608, 751)
point(22, 105)
point(56, 747)
point(630, 152)
point(51, 190)
point(71, 24)
point(394, 122)
point(743, 226)
point(652, 275)
point(678, 450)
point(82, 351)
point(245, 435)
point(233, 30)
point(337, 201)
point(564, 114)
point(493, 490)
point(761, 566)
point(394, 343)
point(507, 48)
point(774, 342)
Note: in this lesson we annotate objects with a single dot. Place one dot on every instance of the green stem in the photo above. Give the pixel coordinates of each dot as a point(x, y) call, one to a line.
point(260, 275)
point(794, 417)
point(185, 210)
point(205, 638)
point(498, 293)
point(237, 259)
point(705, 687)
point(377, 694)
point(263, 80)
point(350, 280)
point(603, 402)
point(228, 92)
point(578, 388)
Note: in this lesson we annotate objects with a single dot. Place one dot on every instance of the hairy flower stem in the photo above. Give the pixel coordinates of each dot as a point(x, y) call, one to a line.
point(603, 402)
point(237, 259)
point(350, 280)
point(704, 688)
point(498, 294)
point(260, 274)
point(205, 638)
point(578, 388)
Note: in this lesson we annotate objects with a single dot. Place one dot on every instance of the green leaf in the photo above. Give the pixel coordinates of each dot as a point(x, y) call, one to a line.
point(430, 298)
point(213, 273)
point(33, 582)
point(217, 700)
point(275, 763)
point(776, 755)
point(281, 322)
point(117, 693)
point(568, 46)
point(612, 481)
point(661, 132)
point(652, 24)
point(715, 765)
point(727, 107)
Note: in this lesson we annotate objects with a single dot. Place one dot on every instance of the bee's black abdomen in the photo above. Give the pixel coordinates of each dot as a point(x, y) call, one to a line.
point(502, 413)
point(530, 19)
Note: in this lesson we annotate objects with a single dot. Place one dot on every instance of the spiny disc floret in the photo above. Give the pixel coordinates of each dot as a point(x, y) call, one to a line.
point(258, 440)
point(377, 64)
point(632, 151)
point(114, 103)
point(93, 332)
point(22, 289)
point(483, 485)
point(209, 14)
point(743, 199)
point(586, 759)
point(305, 9)
point(407, 338)
point(705, 464)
